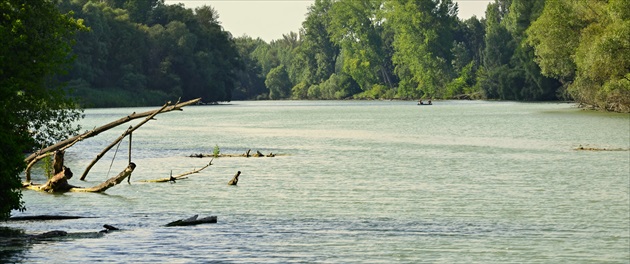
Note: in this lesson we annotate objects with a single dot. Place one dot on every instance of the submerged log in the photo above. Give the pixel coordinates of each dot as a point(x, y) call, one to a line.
point(224, 155)
point(234, 180)
point(180, 176)
point(193, 221)
point(45, 217)
point(51, 234)
point(588, 148)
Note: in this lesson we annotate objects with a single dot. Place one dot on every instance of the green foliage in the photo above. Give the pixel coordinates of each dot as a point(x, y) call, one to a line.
point(336, 87)
point(96, 98)
point(586, 44)
point(378, 91)
point(357, 27)
point(509, 61)
point(216, 151)
point(147, 48)
point(317, 55)
point(278, 83)
point(12, 164)
point(300, 91)
point(555, 36)
point(251, 81)
point(48, 167)
point(464, 84)
point(35, 40)
point(423, 37)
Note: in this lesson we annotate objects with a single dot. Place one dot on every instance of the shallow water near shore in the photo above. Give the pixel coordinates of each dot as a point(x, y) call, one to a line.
point(355, 182)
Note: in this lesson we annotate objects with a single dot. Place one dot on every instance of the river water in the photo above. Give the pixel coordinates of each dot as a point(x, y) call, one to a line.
point(353, 182)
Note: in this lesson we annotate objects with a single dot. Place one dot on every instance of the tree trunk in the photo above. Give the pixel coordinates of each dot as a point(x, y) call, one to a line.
point(59, 183)
point(58, 161)
point(56, 184)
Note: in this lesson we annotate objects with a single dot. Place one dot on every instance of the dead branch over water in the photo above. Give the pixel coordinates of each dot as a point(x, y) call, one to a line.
point(59, 182)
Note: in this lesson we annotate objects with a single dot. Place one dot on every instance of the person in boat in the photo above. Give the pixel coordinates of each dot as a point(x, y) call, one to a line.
point(430, 102)
point(420, 102)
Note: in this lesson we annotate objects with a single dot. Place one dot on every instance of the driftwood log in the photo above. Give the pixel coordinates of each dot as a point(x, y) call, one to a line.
point(193, 221)
point(222, 155)
point(589, 148)
point(180, 176)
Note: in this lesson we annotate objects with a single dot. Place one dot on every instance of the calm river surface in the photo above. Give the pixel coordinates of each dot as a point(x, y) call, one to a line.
point(354, 182)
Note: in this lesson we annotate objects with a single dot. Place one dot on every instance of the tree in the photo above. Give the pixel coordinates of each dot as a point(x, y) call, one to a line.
point(510, 71)
point(35, 40)
point(586, 45)
point(356, 26)
point(423, 37)
point(278, 83)
point(251, 82)
point(317, 54)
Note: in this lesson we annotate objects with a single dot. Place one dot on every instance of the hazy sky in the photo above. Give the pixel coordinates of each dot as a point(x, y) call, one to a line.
point(269, 19)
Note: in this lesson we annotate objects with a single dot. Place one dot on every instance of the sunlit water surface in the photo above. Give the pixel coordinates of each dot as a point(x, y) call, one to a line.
point(353, 182)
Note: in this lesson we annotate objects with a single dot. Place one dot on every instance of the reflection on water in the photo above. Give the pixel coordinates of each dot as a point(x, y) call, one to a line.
point(357, 182)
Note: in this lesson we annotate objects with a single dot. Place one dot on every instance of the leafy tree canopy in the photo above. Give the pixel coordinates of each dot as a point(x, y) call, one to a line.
point(35, 40)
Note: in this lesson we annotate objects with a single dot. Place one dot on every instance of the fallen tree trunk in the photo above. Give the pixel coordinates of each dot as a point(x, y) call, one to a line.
point(60, 184)
point(180, 176)
point(38, 155)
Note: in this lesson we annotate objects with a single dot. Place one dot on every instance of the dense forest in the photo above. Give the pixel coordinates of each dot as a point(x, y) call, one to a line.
point(142, 52)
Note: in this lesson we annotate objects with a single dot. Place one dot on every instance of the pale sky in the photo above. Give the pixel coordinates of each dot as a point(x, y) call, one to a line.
point(269, 19)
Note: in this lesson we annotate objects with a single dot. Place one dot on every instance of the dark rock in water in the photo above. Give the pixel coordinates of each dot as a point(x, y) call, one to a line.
point(193, 221)
point(110, 227)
